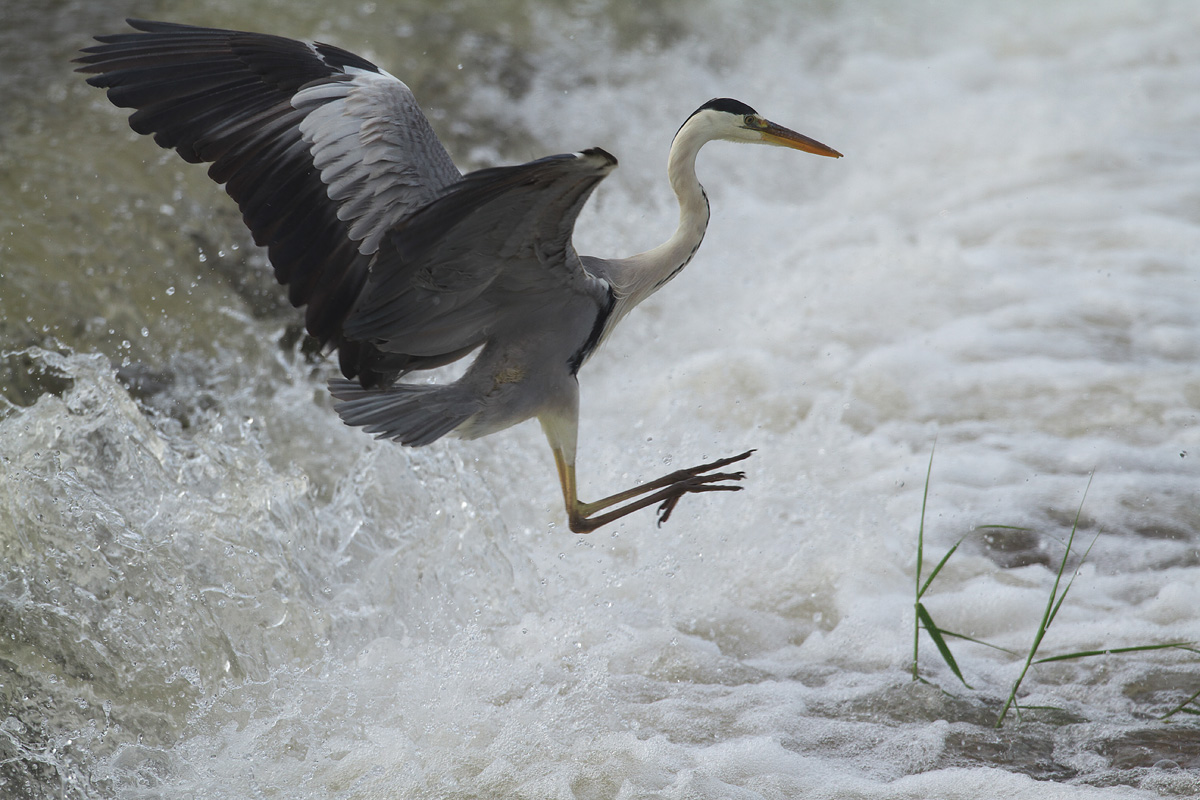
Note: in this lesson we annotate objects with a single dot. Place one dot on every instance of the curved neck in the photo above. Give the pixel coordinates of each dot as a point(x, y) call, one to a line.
point(640, 276)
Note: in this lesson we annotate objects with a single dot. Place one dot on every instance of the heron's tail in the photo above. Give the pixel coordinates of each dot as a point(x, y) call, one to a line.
point(410, 414)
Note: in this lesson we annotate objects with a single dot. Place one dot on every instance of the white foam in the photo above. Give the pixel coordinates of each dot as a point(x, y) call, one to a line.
point(1004, 261)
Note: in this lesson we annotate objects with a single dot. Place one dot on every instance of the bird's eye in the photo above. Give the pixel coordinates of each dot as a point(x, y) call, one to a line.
point(752, 121)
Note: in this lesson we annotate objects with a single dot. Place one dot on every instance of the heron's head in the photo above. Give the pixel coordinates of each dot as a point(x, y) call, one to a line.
point(734, 121)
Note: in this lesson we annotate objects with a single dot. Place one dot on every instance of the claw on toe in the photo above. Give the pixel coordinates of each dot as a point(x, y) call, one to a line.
point(720, 463)
point(668, 505)
point(699, 480)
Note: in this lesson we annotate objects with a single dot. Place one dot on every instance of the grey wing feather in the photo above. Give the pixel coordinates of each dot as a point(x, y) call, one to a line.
point(486, 253)
point(412, 414)
point(275, 117)
point(378, 156)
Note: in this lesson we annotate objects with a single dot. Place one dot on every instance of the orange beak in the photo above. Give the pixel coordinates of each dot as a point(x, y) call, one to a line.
point(781, 136)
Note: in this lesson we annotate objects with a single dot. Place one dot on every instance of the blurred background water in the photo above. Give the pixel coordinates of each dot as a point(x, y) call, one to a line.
point(211, 588)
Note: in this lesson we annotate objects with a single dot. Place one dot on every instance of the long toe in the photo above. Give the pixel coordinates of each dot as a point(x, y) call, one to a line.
point(705, 480)
point(702, 468)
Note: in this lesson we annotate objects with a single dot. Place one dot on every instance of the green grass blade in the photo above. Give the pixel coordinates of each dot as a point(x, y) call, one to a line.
point(1011, 702)
point(1182, 708)
point(938, 568)
point(916, 656)
point(1055, 599)
point(921, 526)
point(1040, 708)
point(973, 640)
point(1141, 648)
point(935, 633)
point(1074, 575)
point(1053, 604)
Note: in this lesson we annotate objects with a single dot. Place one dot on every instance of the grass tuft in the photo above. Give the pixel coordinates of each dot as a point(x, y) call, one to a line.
point(922, 620)
point(1053, 604)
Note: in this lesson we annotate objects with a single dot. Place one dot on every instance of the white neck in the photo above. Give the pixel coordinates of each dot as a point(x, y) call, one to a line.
point(635, 278)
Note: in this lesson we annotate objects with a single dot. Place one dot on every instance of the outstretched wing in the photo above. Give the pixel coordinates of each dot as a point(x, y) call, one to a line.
point(322, 150)
point(483, 260)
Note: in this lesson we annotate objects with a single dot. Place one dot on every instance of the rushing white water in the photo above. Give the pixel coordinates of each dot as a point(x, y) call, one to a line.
point(216, 590)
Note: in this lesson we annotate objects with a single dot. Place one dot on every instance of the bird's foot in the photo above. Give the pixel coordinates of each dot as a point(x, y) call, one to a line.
point(664, 492)
point(701, 479)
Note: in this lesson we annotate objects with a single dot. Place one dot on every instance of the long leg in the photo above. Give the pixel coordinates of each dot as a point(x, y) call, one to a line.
point(561, 426)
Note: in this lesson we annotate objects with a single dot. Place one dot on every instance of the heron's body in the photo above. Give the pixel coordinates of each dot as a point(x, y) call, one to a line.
point(403, 263)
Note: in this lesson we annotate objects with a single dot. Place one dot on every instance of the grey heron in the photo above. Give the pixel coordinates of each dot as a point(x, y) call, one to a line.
point(402, 262)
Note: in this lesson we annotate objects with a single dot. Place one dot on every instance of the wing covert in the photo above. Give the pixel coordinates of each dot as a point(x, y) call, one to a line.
point(378, 156)
point(493, 247)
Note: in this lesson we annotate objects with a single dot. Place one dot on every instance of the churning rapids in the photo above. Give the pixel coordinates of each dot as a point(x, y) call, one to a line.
point(211, 588)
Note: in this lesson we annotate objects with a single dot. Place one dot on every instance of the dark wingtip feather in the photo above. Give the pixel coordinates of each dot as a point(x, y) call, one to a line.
point(224, 96)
